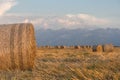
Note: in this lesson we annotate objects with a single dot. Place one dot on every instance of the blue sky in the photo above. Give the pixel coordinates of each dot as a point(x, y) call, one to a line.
point(99, 11)
point(102, 8)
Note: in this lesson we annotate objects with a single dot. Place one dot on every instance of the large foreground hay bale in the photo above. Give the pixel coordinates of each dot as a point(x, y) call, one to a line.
point(17, 46)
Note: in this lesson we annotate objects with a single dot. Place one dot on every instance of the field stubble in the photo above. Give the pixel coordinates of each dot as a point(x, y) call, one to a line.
point(69, 64)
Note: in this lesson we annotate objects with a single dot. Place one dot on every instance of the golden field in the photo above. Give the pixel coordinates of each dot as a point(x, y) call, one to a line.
point(70, 64)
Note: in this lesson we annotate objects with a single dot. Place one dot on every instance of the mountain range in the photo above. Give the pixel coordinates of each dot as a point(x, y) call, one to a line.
point(77, 36)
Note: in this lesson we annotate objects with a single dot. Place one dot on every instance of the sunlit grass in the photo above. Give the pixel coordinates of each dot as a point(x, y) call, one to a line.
point(70, 64)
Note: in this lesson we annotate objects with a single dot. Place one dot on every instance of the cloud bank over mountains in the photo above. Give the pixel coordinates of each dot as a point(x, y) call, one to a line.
point(6, 5)
point(68, 21)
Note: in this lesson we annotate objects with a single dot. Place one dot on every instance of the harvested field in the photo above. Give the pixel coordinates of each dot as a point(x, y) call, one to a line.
point(69, 64)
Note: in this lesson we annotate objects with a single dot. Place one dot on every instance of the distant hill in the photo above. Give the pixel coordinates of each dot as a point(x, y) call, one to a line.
point(78, 36)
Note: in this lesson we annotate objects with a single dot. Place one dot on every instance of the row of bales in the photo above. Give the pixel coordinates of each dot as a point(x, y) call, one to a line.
point(103, 48)
point(94, 48)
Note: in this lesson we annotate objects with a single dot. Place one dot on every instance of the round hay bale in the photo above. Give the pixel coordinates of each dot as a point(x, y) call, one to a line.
point(94, 48)
point(17, 46)
point(51, 47)
point(77, 47)
point(57, 47)
point(63, 47)
point(108, 48)
point(99, 48)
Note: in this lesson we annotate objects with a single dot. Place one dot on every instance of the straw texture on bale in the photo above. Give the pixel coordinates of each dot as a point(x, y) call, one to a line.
point(108, 48)
point(17, 46)
point(99, 48)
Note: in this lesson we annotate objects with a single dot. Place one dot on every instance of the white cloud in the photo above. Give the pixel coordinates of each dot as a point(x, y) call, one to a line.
point(71, 21)
point(68, 21)
point(6, 5)
point(85, 19)
point(26, 21)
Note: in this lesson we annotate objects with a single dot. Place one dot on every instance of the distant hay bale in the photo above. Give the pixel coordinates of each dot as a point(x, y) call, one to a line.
point(63, 47)
point(77, 47)
point(97, 48)
point(57, 47)
point(17, 46)
point(108, 48)
point(94, 48)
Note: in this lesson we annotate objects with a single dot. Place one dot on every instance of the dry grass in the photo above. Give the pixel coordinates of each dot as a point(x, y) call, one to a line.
point(69, 64)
